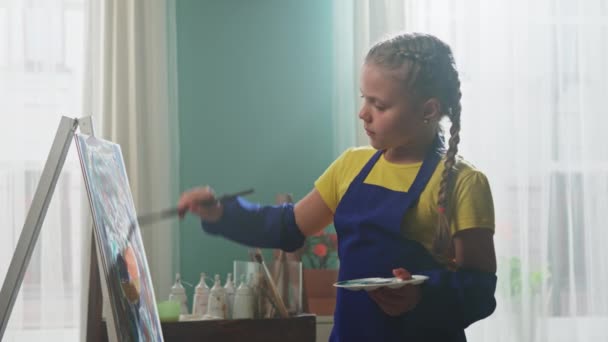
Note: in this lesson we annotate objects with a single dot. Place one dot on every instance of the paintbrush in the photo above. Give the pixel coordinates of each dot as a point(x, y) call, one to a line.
point(276, 297)
point(172, 212)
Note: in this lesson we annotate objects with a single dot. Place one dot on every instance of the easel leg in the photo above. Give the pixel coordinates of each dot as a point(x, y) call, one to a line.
point(94, 311)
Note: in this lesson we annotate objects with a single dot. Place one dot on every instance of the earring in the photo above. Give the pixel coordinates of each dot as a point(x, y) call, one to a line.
point(426, 121)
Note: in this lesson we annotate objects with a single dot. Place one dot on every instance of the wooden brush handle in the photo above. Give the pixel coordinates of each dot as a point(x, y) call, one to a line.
point(276, 297)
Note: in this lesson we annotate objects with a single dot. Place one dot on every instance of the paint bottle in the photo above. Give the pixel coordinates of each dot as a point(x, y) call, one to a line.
point(243, 301)
point(201, 297)
point(178, 294)
point(229, 287)
point(217, 300)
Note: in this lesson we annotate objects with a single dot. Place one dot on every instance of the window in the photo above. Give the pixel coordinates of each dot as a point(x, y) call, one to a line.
point(41, 63)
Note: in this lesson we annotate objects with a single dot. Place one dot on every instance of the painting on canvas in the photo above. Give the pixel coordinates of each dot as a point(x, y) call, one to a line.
point(123, 259)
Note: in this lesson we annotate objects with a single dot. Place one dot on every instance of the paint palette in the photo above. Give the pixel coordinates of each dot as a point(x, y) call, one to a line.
point(370, 284)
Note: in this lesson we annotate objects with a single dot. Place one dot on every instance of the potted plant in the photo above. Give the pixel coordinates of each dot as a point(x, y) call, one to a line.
point(320, 263)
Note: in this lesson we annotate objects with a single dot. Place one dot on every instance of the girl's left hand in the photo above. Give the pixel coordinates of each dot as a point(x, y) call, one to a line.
point(395, 302)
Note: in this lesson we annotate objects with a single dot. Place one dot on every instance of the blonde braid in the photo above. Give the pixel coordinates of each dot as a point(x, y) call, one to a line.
point(442, 245)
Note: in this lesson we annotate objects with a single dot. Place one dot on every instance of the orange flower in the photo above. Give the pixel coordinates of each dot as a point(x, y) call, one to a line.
point(320, 250)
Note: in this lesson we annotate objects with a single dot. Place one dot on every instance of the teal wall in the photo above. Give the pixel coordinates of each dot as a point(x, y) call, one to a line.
point(254, 105)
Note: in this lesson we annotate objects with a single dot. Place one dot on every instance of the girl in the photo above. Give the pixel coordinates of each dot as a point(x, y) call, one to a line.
point(403, 206)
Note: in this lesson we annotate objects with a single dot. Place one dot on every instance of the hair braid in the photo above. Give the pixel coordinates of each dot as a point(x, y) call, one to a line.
point(442, 244)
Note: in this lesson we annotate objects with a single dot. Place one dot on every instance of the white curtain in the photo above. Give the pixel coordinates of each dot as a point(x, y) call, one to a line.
point(534, 79)
point(41, 68)
point(131, 90)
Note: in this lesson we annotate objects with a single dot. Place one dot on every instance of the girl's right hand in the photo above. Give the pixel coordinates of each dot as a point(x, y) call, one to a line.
point(201, 202)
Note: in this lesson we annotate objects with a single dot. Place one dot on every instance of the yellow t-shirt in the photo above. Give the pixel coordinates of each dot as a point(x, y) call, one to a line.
point(470, 202)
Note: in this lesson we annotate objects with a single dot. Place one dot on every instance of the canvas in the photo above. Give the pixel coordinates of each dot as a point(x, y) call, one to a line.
point(118, 238)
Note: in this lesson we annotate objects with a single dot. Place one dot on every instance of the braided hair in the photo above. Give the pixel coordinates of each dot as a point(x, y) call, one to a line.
point(430, 72)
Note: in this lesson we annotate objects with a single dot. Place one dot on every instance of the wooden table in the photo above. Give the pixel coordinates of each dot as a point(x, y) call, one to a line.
point(294, 329)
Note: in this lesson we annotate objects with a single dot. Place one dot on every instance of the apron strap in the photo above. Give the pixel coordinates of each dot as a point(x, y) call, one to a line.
point(425, 173)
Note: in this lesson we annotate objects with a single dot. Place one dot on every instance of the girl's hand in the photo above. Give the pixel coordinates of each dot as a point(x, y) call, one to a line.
point(201, 202)
point(395, 302)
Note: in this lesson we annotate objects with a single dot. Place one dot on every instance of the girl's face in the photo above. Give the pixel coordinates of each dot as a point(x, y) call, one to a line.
point(391, 117)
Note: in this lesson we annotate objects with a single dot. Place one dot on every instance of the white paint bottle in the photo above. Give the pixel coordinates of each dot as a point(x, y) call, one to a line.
point(201, 297)
point(178, 294)
point(217, 300)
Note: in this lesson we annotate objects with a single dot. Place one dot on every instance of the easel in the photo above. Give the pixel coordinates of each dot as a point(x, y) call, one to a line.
point(298, 329)
point(31, 231)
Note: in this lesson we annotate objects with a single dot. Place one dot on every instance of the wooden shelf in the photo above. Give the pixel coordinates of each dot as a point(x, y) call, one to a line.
point(294, 329)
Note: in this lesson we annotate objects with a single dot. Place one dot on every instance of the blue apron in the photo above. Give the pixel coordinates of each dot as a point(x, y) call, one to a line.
point(368, 222)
